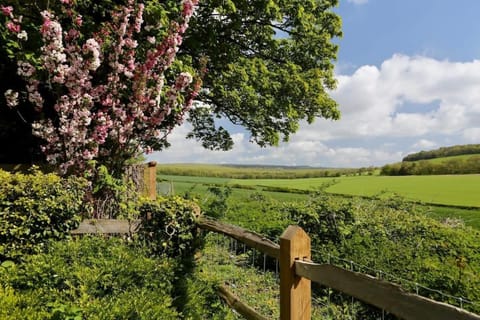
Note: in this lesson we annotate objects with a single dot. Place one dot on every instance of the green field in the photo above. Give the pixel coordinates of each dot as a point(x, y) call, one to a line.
point(457, 190)
point(449, 192)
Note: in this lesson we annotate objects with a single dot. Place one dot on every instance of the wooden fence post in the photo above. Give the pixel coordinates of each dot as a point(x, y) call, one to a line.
point(150, 180)
point(295, 291)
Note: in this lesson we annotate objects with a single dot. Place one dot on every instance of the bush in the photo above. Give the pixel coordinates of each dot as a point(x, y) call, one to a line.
point(396, 237)
point(36, 207)
point(217, 205)
point(89, 278)
point(259, 213)
point(389, 235)
point(112, 197)
point(328, 219)
point(169, 226)
point(284, 189)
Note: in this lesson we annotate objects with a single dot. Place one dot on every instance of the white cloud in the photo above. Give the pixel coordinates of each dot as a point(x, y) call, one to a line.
point(472, 135)
point(420, 100)
point(373, 100)
point(424, 144)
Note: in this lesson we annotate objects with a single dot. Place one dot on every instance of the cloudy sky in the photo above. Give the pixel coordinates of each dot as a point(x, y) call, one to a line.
point(408, 80)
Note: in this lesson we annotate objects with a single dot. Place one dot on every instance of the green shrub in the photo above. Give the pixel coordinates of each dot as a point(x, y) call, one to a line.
point(396, 238)
point(259, 213)
point(217, 205)
point(89, 278)
point(284, 189)
point(389, 235)
point(169, 226)
point(36, 207)
point(113, 197)
point(328, 218)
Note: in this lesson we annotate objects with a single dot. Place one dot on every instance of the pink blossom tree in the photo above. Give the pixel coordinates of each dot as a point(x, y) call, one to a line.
point(105, 97)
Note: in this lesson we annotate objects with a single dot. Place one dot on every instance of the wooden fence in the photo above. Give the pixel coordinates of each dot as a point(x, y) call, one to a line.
point(297, 271)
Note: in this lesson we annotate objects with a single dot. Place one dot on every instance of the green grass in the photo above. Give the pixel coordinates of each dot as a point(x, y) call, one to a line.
point(193, 179)
point(200, 191)
point(447, 191)
point(458, 190)
point(254, 286)
point(468, 216)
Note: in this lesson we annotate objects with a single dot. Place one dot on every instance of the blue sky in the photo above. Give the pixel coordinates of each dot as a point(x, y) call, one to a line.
point(408, 80)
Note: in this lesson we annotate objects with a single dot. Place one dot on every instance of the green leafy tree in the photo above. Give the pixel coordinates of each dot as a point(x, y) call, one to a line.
point(270, 66)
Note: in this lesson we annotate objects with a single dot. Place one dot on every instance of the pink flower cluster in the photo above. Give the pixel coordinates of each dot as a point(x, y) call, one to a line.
point(128, 107)
point(12, 24)
point(7, 11)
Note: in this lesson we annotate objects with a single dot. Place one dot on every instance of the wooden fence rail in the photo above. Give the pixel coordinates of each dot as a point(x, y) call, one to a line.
point(250, 238)
point(106, 226)
point(382, 294)
point(297, 272)
point(234, 302)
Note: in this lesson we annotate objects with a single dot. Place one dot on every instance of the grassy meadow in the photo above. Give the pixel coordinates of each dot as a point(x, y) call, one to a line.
point(255, 172)
point(444, 196)
point(455, 190)
point(458, 190)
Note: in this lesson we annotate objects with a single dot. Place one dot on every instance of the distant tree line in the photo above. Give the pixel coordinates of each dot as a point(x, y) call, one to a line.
point(468, 165)
point(237, 172)
point(444, 152)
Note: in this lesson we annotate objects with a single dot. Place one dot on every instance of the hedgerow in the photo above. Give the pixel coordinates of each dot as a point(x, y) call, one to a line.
point(36, 207)
point(388, 236)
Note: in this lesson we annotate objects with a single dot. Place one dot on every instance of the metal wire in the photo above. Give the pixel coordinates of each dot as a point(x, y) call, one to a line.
point(399, 280)
point(378, 273)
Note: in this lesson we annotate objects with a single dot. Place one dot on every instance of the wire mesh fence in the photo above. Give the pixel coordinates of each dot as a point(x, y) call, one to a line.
point(328, 303)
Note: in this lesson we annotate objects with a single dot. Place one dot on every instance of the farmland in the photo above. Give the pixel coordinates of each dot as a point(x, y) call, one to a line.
point(372, 228)
point(457, 190)
point(461, 190)
point(256, 172)
point(463, 157)
point(452, 196)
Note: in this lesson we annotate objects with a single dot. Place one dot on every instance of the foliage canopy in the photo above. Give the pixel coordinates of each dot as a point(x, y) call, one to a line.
point(104, 91)
point(269, 66)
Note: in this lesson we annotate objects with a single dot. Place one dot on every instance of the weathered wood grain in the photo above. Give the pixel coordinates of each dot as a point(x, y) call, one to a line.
point(106, 226)
point(382, 294)
point(235, 303)
point(250, 238)
point(295, 291)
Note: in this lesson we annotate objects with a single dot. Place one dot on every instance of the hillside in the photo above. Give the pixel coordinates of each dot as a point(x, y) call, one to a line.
point(444, 152)
point(459, 164)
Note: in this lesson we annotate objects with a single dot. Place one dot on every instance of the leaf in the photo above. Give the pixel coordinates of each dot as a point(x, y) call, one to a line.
point(8, 264)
